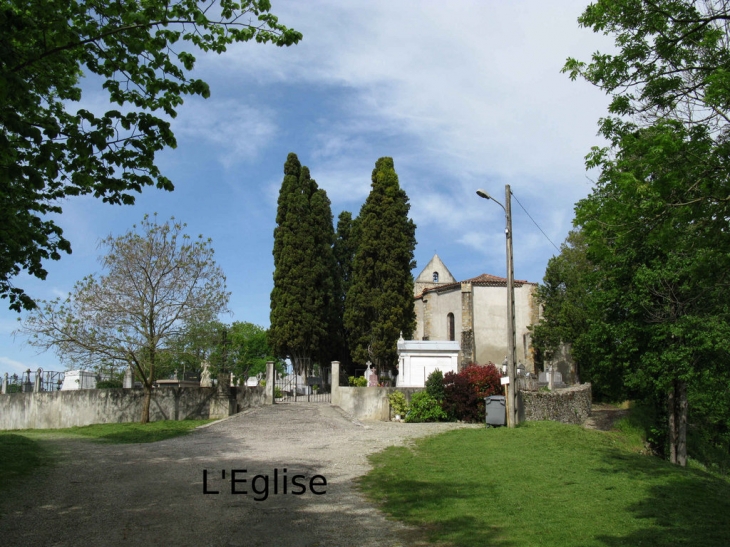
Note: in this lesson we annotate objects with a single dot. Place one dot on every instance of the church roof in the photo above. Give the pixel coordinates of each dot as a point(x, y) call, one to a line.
point(483, 280)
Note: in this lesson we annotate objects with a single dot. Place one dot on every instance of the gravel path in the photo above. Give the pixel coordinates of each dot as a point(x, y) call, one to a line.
point(152, 494)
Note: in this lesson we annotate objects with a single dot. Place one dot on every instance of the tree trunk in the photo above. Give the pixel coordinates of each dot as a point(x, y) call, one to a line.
point(681, 400)
point(146, 403)
point(677, 410)
point(672, 414)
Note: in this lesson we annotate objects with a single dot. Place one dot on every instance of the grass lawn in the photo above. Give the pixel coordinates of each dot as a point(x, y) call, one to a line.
point(545, 484)
point(23, 452)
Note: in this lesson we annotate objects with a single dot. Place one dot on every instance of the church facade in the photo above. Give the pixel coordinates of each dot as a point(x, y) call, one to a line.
point(474, 313)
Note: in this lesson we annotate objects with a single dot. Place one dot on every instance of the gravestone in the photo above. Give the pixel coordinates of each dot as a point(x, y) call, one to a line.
point(128, 382)
point(371, 376)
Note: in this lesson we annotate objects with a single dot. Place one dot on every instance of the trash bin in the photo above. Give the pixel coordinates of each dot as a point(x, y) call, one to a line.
point(495, 410)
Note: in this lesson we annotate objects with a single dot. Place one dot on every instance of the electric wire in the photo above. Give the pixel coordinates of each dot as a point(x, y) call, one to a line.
point(533, 221)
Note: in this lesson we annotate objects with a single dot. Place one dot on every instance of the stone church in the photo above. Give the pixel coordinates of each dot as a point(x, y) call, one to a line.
point(474, 313)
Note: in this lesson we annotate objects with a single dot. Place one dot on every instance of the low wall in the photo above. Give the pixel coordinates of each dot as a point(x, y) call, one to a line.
point(368, 403)
point(571, 405)
point(56, 409)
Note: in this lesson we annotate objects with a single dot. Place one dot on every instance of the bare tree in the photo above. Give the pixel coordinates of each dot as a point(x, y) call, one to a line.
point(158, 282)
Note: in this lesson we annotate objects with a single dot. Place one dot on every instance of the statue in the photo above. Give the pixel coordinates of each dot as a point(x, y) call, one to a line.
point(205, 376)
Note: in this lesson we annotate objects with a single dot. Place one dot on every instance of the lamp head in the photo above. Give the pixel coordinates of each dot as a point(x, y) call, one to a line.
point(483, 194)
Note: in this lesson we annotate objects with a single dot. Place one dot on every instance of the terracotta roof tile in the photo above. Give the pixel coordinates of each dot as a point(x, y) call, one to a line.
point(484, 280)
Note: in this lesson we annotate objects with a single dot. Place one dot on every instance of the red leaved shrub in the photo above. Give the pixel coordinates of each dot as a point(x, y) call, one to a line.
point(465, 391)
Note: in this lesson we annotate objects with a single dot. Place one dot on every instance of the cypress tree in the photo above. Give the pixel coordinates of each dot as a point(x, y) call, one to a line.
point(344, 252)
point(304, 267)
point(379, 303)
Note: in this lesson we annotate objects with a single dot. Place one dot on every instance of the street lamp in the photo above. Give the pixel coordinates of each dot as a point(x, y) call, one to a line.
point(512, 415)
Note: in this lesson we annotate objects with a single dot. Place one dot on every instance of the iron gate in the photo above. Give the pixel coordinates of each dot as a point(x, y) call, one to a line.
point(294, 388)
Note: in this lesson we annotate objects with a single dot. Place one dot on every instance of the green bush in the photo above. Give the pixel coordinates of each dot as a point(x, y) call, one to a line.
point(435, 385)
point(398, 403)
point(109, 384)
point(278, 394)
point(360, 381)
point(424, 408)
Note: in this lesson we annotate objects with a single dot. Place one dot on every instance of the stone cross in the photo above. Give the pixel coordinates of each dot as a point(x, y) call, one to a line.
point(205, 380)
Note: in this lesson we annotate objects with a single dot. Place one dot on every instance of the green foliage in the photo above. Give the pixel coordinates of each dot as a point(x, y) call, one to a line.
point(563, 297)
point(344, 250)
point(435, 385)
point(51, 149)
point(671, 59)
point(424, 408)
point(603, 493)
point(359, 381)
point(278, 394)
point(398, 403)
point(655, 226)
point(304, 313)
point(109, 384)
point(379, 303)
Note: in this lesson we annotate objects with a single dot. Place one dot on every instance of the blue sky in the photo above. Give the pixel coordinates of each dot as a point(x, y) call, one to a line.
point(463, 95)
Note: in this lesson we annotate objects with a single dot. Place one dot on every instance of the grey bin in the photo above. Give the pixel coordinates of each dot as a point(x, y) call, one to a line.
point(495, 411)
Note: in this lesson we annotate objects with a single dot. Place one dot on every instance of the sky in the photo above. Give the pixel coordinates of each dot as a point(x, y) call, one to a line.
point(462, 95)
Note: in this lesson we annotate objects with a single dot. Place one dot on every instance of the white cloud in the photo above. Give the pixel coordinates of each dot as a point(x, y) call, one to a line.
point(237, 130)
point(11, 365)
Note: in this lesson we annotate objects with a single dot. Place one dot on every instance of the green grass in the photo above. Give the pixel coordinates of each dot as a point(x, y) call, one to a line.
point(19, 457)
point(546, 484)
point(26, 451)
point(121, 433)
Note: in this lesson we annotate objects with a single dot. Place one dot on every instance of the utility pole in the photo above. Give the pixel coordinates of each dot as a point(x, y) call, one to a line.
point(512, 413)
point(512, 418)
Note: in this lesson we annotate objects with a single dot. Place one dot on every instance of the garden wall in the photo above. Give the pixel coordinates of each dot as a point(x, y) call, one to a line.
point(571, 405)
point(56, 409)
point(368, 403)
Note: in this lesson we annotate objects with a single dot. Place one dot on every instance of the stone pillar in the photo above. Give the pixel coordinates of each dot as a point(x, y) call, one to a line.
point(5, 383)
point(426, 318)
point(128, 382)
point(270, 382)
point(468, 344)
point(38, 379)
point(335, 386)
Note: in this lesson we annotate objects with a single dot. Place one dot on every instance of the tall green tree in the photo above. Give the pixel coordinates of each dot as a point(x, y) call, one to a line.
point(302, 301)
point(50, 149)
point(344, 250)
point(564, 296)
point(379, 304)
point(656, 224)
point(663, 250)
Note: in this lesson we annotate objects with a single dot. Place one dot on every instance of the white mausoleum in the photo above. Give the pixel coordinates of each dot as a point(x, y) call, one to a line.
point(417, 359)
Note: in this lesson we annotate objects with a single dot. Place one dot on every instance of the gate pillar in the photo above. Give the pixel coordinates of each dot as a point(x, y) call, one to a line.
point(335, 383)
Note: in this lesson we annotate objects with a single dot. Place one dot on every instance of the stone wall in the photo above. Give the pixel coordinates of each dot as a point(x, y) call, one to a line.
point(56, 409)
point(571, 405)
point(368, 403)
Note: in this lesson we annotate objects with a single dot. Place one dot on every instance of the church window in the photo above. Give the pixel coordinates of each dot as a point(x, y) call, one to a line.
point(450, 327)
point(435, 277)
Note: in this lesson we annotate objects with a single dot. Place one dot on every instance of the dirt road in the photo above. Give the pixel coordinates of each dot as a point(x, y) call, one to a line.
point(153, 494)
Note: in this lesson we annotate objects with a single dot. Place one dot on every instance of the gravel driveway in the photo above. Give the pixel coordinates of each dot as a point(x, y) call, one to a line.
point(152, 494)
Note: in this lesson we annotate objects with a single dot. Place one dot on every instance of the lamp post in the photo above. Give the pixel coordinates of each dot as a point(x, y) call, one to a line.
point(512, 415)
